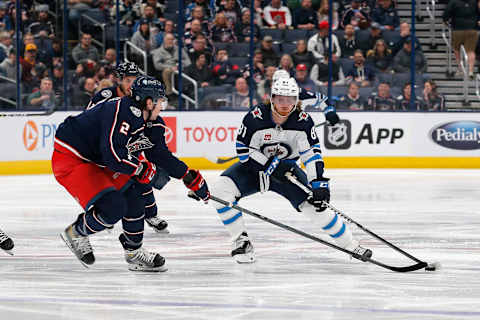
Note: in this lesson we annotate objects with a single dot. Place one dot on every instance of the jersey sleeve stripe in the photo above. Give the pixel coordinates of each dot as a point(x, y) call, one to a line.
point(303, 152)
point(243, 158)
point(112, 130)
point(240, 145)
point(313, 158)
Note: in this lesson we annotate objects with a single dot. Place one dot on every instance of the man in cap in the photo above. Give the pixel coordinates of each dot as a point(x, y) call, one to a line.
point(318, 44)
point(303, 80)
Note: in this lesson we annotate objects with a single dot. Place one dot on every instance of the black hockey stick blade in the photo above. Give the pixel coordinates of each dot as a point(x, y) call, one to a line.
point(218, 160)
point(417, 266)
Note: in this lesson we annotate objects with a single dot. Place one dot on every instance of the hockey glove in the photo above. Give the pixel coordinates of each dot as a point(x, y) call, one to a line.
point(194, 181)
point(146, 172)
point(264, 176)
point(321, 193)
point(332, 117)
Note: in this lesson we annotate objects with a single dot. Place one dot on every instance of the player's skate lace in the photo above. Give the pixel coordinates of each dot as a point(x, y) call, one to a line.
point(79, 245)
point(243, 251)
point(158, 224)
point(143, 260)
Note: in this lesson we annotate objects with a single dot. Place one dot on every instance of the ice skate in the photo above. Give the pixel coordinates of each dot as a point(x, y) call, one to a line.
point(143, 260)
point(243, 251)
point(357, 249)
point(6, 243)
point(79, 245)
point(158, 225)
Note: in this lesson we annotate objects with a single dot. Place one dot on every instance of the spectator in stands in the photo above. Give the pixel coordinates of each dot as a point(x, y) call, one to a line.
point(200, 72)
point(28, 62)
point(375, 34)
point(197, 14)
point(191, 35)
point(128, 12)
point(318, 44)
point(85, 50)
point(361, 73)
point(302, 56)
point(157, 9)
point(45, 97)
point(240, 96)
point(264, 87)
point(382, 100)
point(221, 31)
point(103, 84)
point(348, 43)
point(76, 9)
point(57, 49)
point(199, 47)
point(168, 27)
point(224, 72)
point(149, 14)
point(144, 38)
point(303, 79)
point(322, 14)
point(270, 57)
point(277, 16)
point(5, 44)
point(198, 3)
point(57, 80)
point(8, 67)
point(319, 73)
point(39, 72)
point(27, 38)
point(386, 15)
point(463, 16)
point(286, 63)
point(352, 101)
point(82, 97)
point(165, 61)
point(232, 12)
point(41, 23)
point(5, 22)
point(401, 62)
point(242, 28)
point(404, 103)
point(404, 35)
point(110, 57)
point(432, 100)
point(258, 17)
point(305, 17)
point(258, 69)
point(380, 57)
point(355, 16)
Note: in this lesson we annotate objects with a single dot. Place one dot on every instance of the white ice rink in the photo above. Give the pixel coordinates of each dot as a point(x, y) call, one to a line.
point(432, 214)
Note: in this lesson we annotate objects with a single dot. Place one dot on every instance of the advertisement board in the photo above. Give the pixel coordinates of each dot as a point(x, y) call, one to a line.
point(206, 135)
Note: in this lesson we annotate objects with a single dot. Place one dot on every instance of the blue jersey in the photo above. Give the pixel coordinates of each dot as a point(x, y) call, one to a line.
point(259, 139)
point(104, 95)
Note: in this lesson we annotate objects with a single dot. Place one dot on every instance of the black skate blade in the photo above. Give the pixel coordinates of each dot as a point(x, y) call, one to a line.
point(71, 249)
point(150, 270)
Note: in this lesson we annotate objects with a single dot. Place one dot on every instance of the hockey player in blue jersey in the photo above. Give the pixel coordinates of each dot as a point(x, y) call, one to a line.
point(97, 158)
point(6, 243)
point(126, 73)
point(311, 99)
point(270, 140)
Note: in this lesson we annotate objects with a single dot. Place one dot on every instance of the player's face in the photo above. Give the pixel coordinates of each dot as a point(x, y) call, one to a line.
point(156, 107)
point(127, 83)
point(284, 104)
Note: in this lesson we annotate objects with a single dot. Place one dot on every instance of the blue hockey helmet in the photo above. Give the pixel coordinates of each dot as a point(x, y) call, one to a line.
point(127, 69)
point(145, 87)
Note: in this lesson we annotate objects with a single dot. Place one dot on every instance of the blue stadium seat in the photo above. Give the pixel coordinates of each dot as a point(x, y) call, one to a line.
point(347, 65)
point(241, 49)
point(366, 91)
point(339, 33)
point(295, 35)
point(391, 37)
point(276, 34)
point(239, 61)
point(221, 45)
point(384, 77)
point(288, 47)
point(95, 14)
point(338, 91)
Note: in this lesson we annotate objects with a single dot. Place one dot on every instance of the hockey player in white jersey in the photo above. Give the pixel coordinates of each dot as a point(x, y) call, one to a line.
point(270, 140)
point(311, 99)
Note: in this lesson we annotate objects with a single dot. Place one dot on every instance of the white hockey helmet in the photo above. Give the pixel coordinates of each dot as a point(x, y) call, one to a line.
point(285, 87)
point(280, 74)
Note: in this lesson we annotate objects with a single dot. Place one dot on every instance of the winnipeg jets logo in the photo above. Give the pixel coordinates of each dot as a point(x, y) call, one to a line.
point(256, 113)
point(337, 134)
point(303, 116)
point(141, 143)
point(136, 112)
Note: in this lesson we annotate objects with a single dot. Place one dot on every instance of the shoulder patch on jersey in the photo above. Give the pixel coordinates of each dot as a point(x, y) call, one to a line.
point(303, 116)
point(257, 113)
point(136, 112)
point(106, 93)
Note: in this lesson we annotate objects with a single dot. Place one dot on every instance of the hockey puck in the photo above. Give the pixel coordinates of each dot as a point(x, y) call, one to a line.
point(432, 266)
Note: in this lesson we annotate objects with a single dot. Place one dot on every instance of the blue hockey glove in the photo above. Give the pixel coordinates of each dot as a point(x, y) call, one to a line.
point(321, 193)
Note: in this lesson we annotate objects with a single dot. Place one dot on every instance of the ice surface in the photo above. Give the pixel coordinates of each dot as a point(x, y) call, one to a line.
point(432, 214)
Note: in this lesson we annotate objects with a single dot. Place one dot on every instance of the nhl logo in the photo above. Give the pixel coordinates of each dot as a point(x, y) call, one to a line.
point(338, 136)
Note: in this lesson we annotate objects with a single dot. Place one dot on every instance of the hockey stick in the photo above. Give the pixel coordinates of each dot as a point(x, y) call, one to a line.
point(414, 267)
point(219, 160)
point(46, 113)
point(428, 267)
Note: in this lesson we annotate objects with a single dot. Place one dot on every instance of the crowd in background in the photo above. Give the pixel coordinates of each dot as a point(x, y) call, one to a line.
point(370, 51)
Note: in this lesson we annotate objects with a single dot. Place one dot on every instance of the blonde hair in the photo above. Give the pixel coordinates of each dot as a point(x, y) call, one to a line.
point(104, 83)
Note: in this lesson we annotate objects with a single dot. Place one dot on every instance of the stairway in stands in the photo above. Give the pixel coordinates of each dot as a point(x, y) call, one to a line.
point(450, 87)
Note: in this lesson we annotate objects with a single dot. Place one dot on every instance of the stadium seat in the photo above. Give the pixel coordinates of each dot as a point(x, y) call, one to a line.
point(295, 35)
point(339, 33)
point(239, 61)
point(338, 91)
point(288, 47)
point(366, 91)
point(347, 65)
point(384, 77)
point(276, 34)
point(241, 49)
point(391, 37)
point(221, 45)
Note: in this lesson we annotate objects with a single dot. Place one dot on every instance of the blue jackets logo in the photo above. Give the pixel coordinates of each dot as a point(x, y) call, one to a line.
point(460, 135)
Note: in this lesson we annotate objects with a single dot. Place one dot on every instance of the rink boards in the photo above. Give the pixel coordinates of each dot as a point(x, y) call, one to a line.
point(361, 140)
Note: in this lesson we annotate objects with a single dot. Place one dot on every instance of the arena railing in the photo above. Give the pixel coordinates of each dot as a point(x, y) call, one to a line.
point(187, 98)
point(465, 67)
point(477, 85)
point(96, 24)
point(128, 44)
point(447, 37)
point(430, 8)
point(9, 101)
